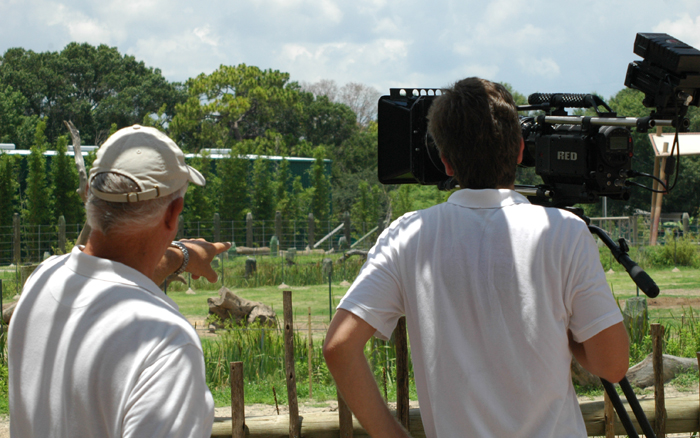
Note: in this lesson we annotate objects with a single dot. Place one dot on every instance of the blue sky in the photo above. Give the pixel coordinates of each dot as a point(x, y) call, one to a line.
point(535, 45)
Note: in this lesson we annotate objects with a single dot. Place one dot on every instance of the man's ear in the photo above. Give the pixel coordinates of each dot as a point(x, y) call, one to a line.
point(172, 213)
point(448, 168)
point(522, 149)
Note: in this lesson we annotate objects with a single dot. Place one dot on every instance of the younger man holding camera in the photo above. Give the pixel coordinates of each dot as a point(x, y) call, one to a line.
point(498, 294)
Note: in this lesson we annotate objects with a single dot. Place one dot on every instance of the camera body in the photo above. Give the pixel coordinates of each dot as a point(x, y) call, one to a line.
point(578, 158)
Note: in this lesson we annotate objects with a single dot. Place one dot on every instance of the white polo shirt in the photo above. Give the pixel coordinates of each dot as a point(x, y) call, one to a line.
point(97, 349)
point(489, 285)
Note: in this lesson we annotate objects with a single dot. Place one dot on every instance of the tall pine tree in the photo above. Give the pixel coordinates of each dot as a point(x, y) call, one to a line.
point(37, 209)
point(65, 199)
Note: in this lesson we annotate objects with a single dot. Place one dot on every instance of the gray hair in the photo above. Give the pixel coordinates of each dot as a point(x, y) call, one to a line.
point(121, 217)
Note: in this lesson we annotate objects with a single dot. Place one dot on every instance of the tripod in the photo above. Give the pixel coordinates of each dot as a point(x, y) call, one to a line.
point(647, 285)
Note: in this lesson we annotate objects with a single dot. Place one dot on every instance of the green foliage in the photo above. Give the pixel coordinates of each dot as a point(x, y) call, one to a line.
point(91, 86)
point(15, 125)
point(320, 187)
point(366, 209)
point(36, 197)
point(233, 104)
point(65, 200)
point(200, 204)
point(681, 251)
point(8, 187)
point(262, 352)
point(262, 195)
point(233, 198)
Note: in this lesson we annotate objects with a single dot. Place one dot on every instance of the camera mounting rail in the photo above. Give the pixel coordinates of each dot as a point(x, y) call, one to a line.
point(642, 123)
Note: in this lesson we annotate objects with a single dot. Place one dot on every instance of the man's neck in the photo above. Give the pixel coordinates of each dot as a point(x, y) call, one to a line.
point(141, 251)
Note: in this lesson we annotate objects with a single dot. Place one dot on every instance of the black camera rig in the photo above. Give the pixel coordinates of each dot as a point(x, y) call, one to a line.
point(579, 158)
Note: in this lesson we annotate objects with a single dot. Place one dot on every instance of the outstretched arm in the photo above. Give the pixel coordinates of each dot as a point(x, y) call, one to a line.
point(201, 255)
point(344, 353)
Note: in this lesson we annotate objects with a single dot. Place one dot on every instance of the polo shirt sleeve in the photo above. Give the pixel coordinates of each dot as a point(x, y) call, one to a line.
point(375, 296)
point(171, 398)
point(592, 307)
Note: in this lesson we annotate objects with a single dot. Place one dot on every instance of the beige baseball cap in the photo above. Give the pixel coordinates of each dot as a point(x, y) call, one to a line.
point(147, 156)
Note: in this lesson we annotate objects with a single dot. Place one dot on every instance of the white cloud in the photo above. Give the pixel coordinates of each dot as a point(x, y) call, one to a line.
point(80, 27)
point(544, 67)
point(204, 35)
point(685, 28)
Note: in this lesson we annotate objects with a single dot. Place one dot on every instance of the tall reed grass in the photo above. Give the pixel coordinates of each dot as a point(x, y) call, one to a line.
point(261, 350)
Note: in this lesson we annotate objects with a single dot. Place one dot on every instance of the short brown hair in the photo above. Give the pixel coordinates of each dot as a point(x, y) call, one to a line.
point(475, 126)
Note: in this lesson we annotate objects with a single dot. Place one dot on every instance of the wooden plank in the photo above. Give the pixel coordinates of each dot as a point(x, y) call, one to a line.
point(315, 425)
point(237, 401)
point(294, 421)
point(682, 417)
point(401, 372)
point(657, 338)
point(345, 423)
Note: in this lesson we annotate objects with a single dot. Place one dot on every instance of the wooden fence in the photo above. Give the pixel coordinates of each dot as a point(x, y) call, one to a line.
point(680, 415)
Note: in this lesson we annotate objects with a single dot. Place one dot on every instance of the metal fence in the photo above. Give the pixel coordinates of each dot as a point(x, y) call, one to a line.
point(38, 241)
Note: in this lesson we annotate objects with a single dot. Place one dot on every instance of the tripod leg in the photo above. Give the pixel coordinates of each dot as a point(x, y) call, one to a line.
point(620, 409)
point(637, 408)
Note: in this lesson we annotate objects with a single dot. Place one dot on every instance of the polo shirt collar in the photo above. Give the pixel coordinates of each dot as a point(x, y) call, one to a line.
point(487, 198)
point(115, 272)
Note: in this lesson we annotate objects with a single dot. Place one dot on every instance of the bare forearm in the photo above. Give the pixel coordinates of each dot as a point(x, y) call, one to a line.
point(344, 353)
point(359, 389)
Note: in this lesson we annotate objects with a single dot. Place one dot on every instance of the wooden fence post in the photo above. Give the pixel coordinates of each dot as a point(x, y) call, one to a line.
point(311, 239)
point(698, 356)
point(609, 416)
point(62, 234)
point(237, 401)
point(16, 242)
point(344, 418)
point(180, 228)
point(310, 354)
point(294, 423)
point(217, 227)
point(278, 227)
point(657, 335)
point(249, 230)
point(401, 372)
point(346, 227)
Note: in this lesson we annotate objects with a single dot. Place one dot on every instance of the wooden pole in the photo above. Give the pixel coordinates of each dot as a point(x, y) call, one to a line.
point(401, 372)
point(609, 412)
point(311, 352)
point(344, 418)
point(237, 401)
point(294, 423)
point(698, 355)
point(657, 200)
point(657, 335)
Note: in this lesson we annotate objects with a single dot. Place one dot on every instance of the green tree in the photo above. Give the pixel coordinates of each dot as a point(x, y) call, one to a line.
point(65, 200)
point(15, 126)
point(262, 195)
point(233, 198)
point(92, 86)
point(200, 202)
point(366, 209)
point(9, 187)
point(319, 192)
point(37, 194)
point(233, 104)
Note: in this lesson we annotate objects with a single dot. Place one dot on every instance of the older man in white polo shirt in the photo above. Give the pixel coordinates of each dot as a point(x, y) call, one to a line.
point(95, 347)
